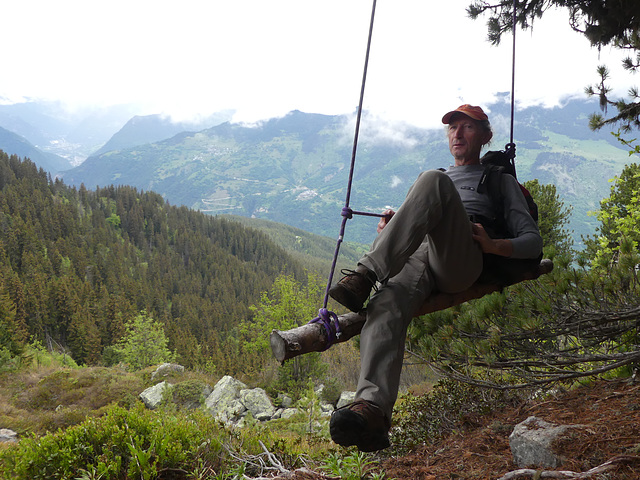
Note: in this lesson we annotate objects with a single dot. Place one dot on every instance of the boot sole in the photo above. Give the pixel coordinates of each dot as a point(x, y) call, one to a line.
point(348, 428)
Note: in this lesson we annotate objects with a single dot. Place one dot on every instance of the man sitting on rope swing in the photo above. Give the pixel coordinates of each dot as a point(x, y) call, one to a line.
point(435, 241)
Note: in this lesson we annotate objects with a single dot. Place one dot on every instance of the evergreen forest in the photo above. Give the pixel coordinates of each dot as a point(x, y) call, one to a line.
point(76, 266)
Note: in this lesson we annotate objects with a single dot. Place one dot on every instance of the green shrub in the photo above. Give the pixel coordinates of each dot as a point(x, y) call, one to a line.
point(111, 356)
point(422, 420)
point(189, 394)
point(144, 344)
point(44, 358)
point(8, 361)
point(121, 444)
point(145, 444)
point(354, 466)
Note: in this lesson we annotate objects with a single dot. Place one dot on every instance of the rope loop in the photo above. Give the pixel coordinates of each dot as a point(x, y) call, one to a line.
point(328, 318)
point(347, 212)
point(510, 150)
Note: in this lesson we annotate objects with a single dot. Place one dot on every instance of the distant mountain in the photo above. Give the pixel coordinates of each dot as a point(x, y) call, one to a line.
point(52, 128)
point(76, 134)
point(294, 170)
point(290, 170)
point(14, 144)
point(153, 128)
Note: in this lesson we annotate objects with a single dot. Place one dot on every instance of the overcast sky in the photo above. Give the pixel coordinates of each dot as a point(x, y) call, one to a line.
point(265, 58)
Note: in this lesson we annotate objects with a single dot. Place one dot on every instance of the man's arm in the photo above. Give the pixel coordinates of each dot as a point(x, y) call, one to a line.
point(526, 241)
point(496, 246)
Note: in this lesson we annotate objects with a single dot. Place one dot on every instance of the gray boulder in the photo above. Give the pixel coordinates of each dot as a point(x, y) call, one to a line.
point(319, 390)
point(224, 402)
point(7, 435)
point(326, 408)
point(289, 412)
point(257, 402)
point(166, 369)
point(284, 401)
point(531, 443)
point(345, 398)
point(152, 396)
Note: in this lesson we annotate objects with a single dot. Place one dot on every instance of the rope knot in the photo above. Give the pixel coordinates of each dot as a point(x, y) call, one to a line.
point(327, 318)
point(347, 212)
point(510, 150)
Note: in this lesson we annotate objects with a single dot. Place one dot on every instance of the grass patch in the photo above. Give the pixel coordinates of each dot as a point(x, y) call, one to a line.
point(89, 423)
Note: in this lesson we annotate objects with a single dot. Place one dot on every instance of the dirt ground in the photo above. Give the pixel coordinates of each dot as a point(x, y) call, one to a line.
point(608, 410)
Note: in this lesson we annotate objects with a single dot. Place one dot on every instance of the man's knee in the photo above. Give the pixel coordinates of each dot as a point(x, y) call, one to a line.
point(393, 297)
point(430, 179)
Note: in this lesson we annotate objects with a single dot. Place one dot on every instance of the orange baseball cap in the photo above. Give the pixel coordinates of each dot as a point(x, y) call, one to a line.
point(469, 110)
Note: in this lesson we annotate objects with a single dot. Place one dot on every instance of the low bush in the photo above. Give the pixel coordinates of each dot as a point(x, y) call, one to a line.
point(162, 444)
point(123, 443)
point(189, 394)
point(420, 420)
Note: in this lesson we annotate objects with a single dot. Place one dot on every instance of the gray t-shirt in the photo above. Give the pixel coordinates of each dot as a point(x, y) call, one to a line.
point(525, 235)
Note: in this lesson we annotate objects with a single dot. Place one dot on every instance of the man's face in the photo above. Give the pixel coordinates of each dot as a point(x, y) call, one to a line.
point(466, 138)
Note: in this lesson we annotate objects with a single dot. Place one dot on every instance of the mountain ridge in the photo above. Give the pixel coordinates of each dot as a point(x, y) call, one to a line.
point(142, 129)
point(21, 147)
point(294, 169)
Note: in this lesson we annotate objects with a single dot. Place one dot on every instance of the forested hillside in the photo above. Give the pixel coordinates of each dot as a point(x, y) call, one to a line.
point(77, 265)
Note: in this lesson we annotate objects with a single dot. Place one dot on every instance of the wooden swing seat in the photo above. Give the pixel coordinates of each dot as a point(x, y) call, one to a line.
point(313, 337)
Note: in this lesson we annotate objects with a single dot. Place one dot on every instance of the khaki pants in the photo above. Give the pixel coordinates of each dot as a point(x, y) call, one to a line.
point(427, 245)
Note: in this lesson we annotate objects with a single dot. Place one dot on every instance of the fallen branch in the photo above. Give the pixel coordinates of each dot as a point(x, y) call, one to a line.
point(267, 462)
point(566, 474)
point(297, 474)
point(313, 337)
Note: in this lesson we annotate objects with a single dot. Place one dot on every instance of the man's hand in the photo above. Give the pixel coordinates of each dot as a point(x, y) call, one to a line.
point(388, 213)
point(497, 246)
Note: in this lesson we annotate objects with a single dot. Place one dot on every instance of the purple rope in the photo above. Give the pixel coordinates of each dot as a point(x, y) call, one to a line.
point(329, 319)
point(325, 316)
point(366, 214)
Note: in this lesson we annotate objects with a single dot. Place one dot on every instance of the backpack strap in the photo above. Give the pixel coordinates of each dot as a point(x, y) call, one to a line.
point(489, 181)
point(491, 184)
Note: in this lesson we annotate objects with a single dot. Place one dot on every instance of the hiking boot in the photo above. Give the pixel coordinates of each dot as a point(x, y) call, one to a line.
point(361, 423)
point(354, 288)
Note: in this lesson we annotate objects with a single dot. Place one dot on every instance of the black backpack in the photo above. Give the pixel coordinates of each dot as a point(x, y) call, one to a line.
point(497, 163)
point(498, 269)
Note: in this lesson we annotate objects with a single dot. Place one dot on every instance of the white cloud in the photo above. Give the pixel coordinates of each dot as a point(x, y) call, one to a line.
point(263, 59)
point(395, 181)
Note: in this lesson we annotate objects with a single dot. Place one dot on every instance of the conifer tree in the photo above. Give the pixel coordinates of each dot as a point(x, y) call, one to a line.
point(615, 23)
point(574, 322)
point(554, 217)
point(619, 217)
point(10, 341)
point(77, 265)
